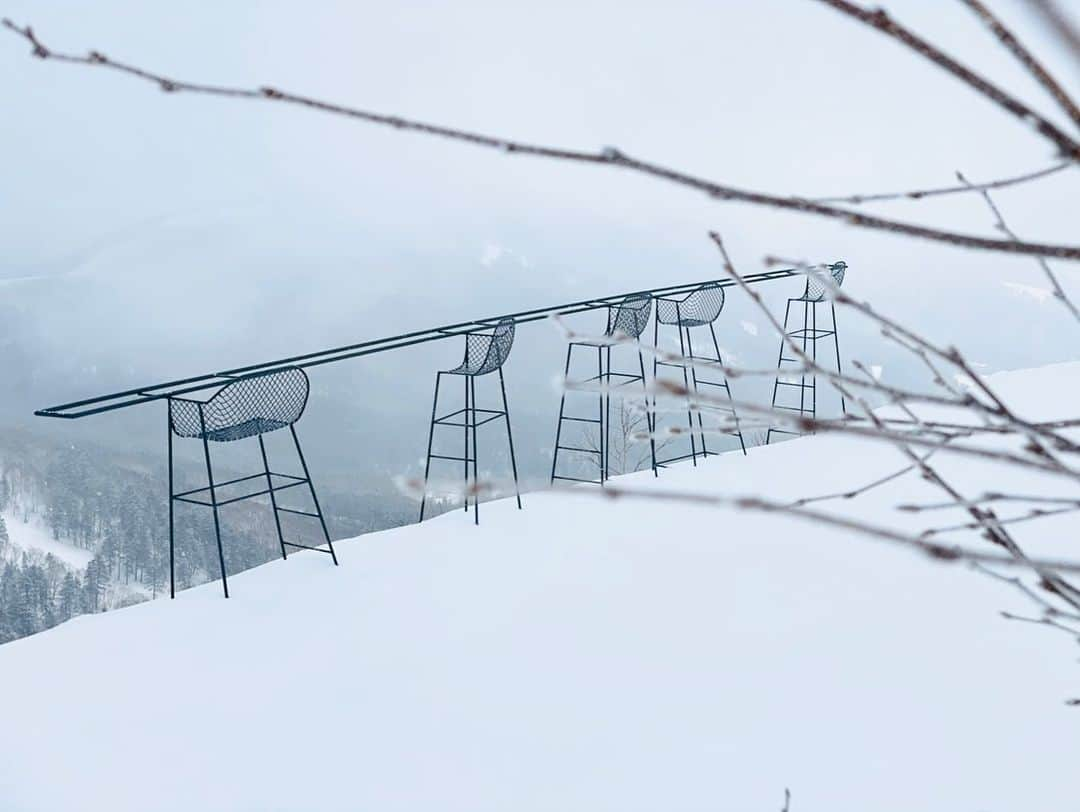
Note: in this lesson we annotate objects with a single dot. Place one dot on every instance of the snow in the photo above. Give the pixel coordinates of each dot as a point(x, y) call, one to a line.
point(1040, 295)
point(584, 654)
point(34, 535)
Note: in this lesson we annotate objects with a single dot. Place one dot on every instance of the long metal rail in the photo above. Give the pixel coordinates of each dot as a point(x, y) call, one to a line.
point(159, 391)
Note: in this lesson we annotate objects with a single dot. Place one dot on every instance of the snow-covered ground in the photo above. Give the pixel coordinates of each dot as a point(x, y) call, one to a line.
point(34, 535)
point(584, 654)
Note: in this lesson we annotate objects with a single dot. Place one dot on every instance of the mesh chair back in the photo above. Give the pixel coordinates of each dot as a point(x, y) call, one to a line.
point(256, 404)
point(816, 287)
point(701, 306)
point(631, 316)
point(485, 353)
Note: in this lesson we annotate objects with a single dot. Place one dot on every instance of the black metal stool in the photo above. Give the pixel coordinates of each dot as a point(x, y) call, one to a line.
point(250, 406)
point(807, 335)
point(628, 318)
point(698, 308)
point(485, 352)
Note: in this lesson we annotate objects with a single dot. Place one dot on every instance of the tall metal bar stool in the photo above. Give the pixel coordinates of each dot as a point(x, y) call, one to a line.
point(629, 318)
point(807, 334)
point(485, 352)
point(250, 406)
point(698, 308)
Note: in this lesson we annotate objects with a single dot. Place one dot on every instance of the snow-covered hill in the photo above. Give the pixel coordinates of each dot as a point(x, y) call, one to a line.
point(584, 654)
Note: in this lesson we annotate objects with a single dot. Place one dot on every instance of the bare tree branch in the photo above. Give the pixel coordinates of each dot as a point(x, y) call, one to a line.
point(758, 504)
point(1026, 58)
point(1002, 226)
point(1059, 24)
point(920, 194)
point(880, 20)
point(606, 157)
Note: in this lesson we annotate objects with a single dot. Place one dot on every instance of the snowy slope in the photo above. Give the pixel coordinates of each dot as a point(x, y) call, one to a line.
point(584, 654)
point(34, 535)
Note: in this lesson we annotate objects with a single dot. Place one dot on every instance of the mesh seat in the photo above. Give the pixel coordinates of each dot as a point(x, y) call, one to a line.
point(696, 309)
point(631, 316)
point(250, 406)
point(699, 307)
point(486, 352)
point(247, 407)
point(816, 286)
point(795, 389)
point(627, 319)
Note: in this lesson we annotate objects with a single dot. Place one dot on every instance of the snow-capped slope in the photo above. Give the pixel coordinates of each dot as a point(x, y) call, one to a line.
point(583, 654)
point(32, 534)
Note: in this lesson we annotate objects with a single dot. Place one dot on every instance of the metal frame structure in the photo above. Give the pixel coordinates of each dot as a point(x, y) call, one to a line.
point(485, 352)
point(175, 391)
point(698, 308)
point(249, 406)
point(627, 318)
point(161, 391)
point(808, 335)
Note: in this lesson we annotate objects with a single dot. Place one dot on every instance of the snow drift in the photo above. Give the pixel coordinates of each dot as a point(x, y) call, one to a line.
point(584, 654)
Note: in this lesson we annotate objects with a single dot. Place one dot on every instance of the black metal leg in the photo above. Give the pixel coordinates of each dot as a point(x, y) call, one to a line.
point(213, 501)
point(476, 455)
point(172, 490)
point(607, 416)
point(813, 355)
point(836, 343)
point(273, 498)
point(510, 438)
point(727, 388)
point(562, 407)
point(600, 383)
point(655, 424)
point(686, 386)
point(693, 376)
point(466, 457)
point(314, 498)
point(648, 418)
point(802, 387)
point(430, 439)
point(779, 366)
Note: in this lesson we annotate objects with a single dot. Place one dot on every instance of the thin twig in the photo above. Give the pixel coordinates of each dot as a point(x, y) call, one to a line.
point(941, 552)
point(1003, 227)
point(880, 20)
point(920, 194)
point(1060, 25)
point(1026, 58)
point(608, 156)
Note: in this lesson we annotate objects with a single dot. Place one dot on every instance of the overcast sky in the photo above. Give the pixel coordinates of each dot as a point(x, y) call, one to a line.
point(257, 213)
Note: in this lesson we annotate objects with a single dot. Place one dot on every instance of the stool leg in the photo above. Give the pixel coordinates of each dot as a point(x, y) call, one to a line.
point(813, 355)
point(273, 499)
point(213, 501)
point(314, 498)
point(727, 388)
point(836, 343)
point(600, 383)
point(693, 375)
point(430, 439)
point(654, 425)
point(172, 565)
point(607, 417)
point(562, 407)
point(510, 437)
point(802, 387)
point(779, 363)
point(465, 421)
point(686, 386)
point(648, 417)
point(475, 451)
